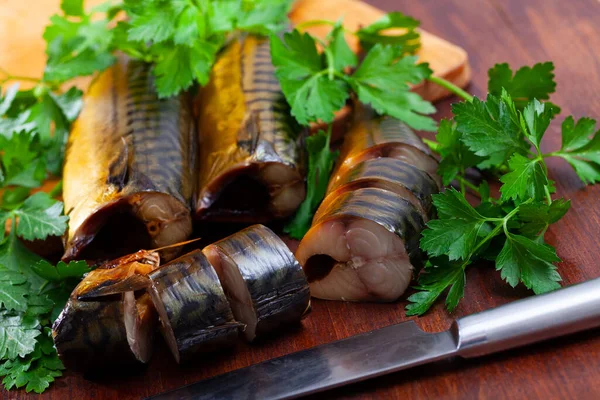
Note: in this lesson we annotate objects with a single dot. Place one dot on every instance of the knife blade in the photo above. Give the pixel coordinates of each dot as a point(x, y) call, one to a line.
point(404, 345)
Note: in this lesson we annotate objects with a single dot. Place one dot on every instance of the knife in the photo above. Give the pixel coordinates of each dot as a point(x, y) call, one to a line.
point(404, 345)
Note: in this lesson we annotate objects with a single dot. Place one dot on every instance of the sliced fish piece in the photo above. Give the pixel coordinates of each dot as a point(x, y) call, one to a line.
point(194, 312)
point(362, 246)
point(265, 284)
point(107, 329)
point(391, 174)
point(250, 164)
point(372, 136)
point(128, 168)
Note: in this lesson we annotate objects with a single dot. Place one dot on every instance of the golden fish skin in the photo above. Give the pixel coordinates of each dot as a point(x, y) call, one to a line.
point(128, 174)
point(194, 312)
point(393, 175)
point(264, 282)
point(251, 163)
point(372, 136)
point(97, 330)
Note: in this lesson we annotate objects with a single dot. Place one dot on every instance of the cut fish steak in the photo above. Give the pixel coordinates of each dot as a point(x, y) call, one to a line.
point(109, 320)
point(194, 312)
point(265, 284)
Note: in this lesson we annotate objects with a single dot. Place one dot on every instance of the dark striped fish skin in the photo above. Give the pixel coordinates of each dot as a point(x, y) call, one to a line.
point(129, 167)
point(251, 160)
point(372, 136)
point(107, 330)
point(393, 175)
point(386, 208)
point(195, 314)
point(268, 272)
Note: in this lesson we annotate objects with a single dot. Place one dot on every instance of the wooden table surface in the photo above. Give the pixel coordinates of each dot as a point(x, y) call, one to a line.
point(520, 32)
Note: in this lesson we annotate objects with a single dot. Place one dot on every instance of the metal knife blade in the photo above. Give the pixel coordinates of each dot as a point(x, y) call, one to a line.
point(356, 358)
point(404, 345)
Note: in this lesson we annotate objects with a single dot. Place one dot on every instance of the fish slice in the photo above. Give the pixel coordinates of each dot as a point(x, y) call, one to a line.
point(404, 345)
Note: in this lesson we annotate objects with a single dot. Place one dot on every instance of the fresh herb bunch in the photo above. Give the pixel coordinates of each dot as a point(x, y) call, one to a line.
point(319, 76)
point(502, 136)
point(32, 292)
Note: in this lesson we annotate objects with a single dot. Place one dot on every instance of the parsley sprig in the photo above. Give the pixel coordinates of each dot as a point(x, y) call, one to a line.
point(501, 135)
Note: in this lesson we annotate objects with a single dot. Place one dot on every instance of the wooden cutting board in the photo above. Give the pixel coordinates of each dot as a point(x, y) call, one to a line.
point(22, 47)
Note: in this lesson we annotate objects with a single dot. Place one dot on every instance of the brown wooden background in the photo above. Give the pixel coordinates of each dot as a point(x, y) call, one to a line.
point(520, 32)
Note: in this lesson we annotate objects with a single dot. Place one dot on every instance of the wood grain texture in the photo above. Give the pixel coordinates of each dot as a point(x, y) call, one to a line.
point(514, 31)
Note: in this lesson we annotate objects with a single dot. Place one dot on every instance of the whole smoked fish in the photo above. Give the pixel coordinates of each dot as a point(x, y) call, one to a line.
point(109, 320)
point(363, 244)
point(128, 168)
point(265, 284)
point(250, 164)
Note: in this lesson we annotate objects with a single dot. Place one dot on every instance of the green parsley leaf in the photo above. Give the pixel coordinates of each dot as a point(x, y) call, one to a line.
point(320, 163)
point(439, 275)
point(527, 179)
point(17, 335)
point(62, 271)
point(36, 371)
point(457, 230)
point(382, 81)
point(581, 148)
point(22, 162)
point(536, 217)
point(16, 257)
point(302, 73)
point(523, 259)
point(526, 84)
point(264, 17)
point(72, 7)
point(7, 99)
point(343, 56)
point(76, 46)
point(408, 41)
point(535, 119)
point(13, 289)
point(489, 128)
point(40, 217)
point(456, 156)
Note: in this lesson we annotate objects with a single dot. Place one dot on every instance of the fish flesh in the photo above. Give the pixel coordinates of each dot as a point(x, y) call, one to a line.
point(251, 162)
point(107, 328)
point(372, 136)
point(363, 246)
point(128, 175)
point(194, 312)
point(265, 284)
point(393, 175)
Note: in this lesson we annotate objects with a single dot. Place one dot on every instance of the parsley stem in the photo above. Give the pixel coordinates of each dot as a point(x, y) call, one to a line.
point(314, 22)
point(465, 182)
point(56, 190)
point(451, 87)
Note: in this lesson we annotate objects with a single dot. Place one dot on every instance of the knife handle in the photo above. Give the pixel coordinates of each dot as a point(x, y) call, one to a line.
point(529, 320)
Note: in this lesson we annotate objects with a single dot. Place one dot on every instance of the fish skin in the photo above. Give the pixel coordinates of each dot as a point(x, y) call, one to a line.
point(389, 173)
point(126, 146)
point(195, 314)
point(277, 284)
point(257, 133)
point(91, 333)
point(372, 136)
